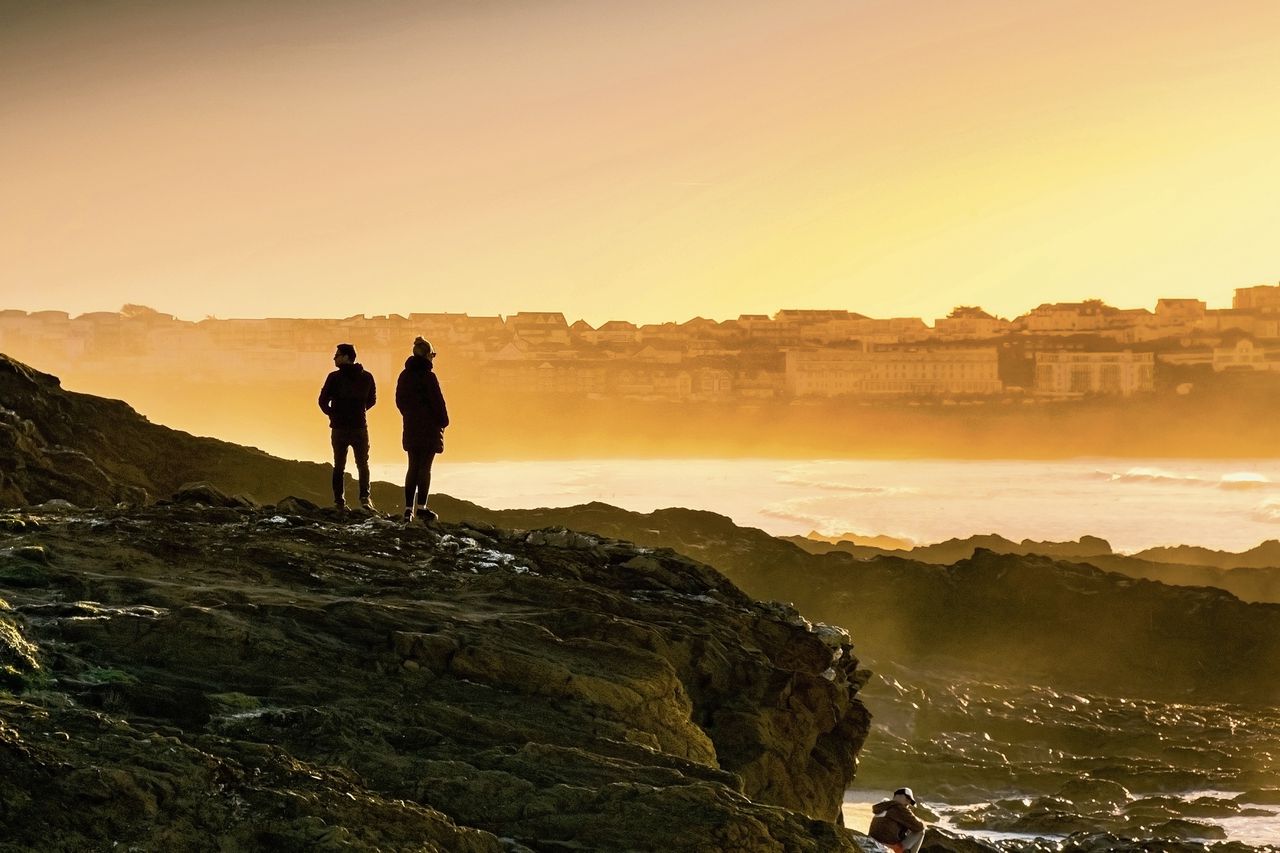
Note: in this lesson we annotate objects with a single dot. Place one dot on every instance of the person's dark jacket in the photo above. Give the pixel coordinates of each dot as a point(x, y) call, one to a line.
point(420, 401)
point(347, 394)
point(892, 822)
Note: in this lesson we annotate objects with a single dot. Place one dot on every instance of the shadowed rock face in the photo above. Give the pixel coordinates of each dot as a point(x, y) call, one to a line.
point(1253, 575)
point(235, 678)
point(1011, 616)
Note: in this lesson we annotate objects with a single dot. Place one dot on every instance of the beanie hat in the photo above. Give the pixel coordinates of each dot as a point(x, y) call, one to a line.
point(347, 350)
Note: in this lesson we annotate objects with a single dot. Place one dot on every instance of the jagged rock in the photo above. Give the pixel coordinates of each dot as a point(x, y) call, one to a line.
point(240, 682)
point(208, 495)
point(1094, 792)
point(1022, 615)
point(940, 841)
point(1262, 796)
point(296, 506)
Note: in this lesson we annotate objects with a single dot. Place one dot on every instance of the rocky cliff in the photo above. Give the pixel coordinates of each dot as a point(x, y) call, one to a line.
point(1252, 575)
point(1013, 616)
point(210, 674)
point(199, 678)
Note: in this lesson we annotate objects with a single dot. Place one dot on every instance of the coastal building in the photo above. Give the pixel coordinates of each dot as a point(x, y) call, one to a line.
point(539, 326)
point(1240, 320)
point(833, 371)
point(969, 323)
point(1242, 354)
point(1179, 312)
point(1262, 298)
point(1067, 318)
point(1074, 374)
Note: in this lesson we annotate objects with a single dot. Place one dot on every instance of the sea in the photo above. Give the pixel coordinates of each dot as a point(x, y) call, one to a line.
point(1134, 504)
point(1229, 505)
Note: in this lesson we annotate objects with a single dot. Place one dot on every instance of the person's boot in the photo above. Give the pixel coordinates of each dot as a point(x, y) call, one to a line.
point(339, 504)
point(408, 514)
point(426, 515)
point(366, 503)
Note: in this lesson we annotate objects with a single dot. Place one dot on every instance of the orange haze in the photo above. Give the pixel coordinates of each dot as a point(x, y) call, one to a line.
point(646, 160)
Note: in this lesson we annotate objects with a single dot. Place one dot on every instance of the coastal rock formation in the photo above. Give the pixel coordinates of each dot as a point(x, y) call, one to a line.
point(227, 677)
point(1252, 575)
point(945, 553)
point(1016, 616)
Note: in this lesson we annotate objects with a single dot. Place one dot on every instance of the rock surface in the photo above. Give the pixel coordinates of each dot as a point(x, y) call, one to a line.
point(223, 677)
point(1028, 618)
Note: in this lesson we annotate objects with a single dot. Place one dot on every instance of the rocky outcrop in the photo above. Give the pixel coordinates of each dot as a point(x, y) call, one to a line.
point(945, 553)
point(1026, 617)
point(58, 444)
point(1250, 576)
point(1264, 555)
point(206, 677)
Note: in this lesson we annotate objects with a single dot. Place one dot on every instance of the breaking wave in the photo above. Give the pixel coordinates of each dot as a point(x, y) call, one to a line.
point(1234, 481)
point(791, 478)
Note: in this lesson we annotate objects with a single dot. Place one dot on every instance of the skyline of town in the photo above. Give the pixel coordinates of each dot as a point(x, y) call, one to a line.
point(1242, 299)
point(1055, 351)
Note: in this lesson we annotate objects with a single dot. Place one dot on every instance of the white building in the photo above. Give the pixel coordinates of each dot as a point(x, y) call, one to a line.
point(1074, 374)
point(1242, 354)
point(831, 372)
point(965, 323)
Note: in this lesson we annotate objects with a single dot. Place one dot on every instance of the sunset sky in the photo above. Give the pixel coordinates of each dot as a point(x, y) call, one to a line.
point(651, 161)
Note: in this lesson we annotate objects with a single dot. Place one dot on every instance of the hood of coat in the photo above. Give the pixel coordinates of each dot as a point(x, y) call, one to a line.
point(417, 363)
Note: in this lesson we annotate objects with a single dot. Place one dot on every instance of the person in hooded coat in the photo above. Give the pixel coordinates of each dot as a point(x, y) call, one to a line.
point(421, 404)
point(895, 825)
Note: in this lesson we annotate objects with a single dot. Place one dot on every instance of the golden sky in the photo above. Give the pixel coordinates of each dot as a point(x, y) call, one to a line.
point(652, 160)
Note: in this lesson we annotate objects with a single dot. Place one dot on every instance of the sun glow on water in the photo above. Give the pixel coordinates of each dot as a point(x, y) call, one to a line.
point(1133, 504)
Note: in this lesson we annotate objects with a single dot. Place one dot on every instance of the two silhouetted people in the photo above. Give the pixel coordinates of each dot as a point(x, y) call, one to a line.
point(894, 825)
point(421, 403)
point(350, 391)
point(347, 394)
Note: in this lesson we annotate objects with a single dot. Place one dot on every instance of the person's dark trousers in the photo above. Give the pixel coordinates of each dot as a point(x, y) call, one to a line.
point(418, 477)
point(358, 440)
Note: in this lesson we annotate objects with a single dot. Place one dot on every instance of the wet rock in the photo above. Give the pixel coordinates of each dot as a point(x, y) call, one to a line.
point(1093, 793)
point(296, 506)
point(940, 841)
point(19, 662)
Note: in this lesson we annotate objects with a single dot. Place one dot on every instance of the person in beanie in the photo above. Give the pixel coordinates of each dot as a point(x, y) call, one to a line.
point(347, 394)
point(421, 403)
point(895, 826)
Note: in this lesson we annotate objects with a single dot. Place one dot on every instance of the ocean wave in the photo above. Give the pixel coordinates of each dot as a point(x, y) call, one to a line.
point(798, 510)
point(1268, 511)
point(1244, 481)
point(849, 488)
point(1233, 481)
point(1143, 474)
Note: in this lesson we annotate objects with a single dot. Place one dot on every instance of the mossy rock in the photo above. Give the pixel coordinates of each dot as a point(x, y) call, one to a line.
point(234, 702)
point(32, 554)
point(23, 575)
point(107, 675)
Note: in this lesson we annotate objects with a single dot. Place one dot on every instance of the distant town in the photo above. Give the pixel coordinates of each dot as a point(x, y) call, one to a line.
point(1057, 351)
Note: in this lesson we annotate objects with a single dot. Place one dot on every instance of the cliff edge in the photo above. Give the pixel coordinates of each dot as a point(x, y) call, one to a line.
point(191, 677)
